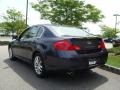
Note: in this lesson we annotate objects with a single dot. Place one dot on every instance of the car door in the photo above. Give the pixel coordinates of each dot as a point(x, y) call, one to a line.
point(16, 46)
point(27, 42)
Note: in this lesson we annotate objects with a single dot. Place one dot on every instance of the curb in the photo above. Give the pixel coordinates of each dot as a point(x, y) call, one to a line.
point(111, 69)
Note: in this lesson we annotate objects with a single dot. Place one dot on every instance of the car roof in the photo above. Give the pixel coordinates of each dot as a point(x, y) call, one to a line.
point(43, 25)
point(47, 25)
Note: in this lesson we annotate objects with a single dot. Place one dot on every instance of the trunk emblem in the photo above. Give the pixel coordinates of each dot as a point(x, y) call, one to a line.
point(89, 42)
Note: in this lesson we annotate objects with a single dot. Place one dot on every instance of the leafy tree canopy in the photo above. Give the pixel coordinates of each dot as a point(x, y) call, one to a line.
point(13, 22)
point(68, 12)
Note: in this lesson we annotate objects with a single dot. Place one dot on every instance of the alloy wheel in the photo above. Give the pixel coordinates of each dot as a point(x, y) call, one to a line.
point(38, 65)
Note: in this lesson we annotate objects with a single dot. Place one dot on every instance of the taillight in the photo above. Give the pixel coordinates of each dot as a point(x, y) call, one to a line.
point(65, 45)
point(101, 44)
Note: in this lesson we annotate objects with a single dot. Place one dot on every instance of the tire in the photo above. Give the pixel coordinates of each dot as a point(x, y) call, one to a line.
point(39, 67)
point(11, 55)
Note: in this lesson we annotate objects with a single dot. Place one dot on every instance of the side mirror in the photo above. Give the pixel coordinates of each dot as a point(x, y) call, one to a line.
point(14, 37)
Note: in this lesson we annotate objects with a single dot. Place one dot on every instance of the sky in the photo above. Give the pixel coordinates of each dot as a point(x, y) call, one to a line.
point(108, 8)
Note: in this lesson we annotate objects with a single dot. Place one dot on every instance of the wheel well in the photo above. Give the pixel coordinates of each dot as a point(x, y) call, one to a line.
point(34, 55)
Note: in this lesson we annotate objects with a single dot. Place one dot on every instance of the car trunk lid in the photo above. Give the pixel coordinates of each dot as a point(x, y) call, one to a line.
point(87, 44)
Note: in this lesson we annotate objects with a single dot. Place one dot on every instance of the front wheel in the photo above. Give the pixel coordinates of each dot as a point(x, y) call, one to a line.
point(11, 56)
point(39, 67)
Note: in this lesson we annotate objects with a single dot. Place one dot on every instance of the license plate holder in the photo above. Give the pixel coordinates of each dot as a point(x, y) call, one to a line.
point(92, 61)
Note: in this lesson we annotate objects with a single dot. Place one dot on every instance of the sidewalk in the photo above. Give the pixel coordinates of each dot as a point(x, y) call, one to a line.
point(111, 69)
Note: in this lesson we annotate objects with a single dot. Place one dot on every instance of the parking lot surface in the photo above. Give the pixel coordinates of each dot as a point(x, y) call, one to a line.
point(17, 75)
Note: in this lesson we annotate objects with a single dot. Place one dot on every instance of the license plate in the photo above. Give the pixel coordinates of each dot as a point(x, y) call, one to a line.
point(92, 62)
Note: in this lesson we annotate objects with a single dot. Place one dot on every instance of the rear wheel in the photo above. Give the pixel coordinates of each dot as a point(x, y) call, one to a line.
point(11, 55)
point(39, 67)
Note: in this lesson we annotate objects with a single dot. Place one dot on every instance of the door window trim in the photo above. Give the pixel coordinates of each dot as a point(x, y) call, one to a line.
point(43, 30)
point(23, 32)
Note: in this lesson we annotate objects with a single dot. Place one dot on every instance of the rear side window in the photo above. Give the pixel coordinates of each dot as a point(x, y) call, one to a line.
point(47, 33)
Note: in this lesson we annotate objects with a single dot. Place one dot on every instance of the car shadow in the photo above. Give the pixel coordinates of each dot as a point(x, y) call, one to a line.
point(56, 80)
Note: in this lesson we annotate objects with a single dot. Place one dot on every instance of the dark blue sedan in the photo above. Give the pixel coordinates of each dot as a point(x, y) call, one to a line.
point(52, 47)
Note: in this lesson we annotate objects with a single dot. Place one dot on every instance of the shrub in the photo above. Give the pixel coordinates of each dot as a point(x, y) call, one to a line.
point(4, 42)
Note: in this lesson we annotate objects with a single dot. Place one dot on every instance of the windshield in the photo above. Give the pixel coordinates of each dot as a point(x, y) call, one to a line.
point(68, 31)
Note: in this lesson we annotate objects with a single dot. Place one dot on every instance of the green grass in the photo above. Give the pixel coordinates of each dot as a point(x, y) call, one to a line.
point(114, 60)
point(115, 50)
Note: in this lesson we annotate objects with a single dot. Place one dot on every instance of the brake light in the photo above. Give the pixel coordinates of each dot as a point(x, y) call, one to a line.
point(65, 45)
point(101, 44)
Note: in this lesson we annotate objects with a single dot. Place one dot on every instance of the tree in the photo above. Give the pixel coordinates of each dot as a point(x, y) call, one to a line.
point(68, 12)
point(20, 26)
point(108, 32)
point(5, 27)
point(14, 22)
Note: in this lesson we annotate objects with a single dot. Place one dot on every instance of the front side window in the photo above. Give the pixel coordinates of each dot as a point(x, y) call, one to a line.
point(30, 33)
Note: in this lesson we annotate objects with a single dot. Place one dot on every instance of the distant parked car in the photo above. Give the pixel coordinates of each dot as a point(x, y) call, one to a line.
point(108, 40)
point(116, 42)
point(51, 47)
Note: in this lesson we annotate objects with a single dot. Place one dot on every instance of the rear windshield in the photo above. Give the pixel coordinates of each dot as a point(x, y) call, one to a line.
point(68, 31)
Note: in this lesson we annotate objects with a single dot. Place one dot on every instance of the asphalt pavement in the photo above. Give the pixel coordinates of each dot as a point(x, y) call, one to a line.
point(17, 75)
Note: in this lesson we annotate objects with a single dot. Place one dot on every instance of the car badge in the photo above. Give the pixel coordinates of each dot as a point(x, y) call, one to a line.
point(89, 42)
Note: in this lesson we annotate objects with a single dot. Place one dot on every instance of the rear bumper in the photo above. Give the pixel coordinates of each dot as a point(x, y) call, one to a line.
point(79, 62)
